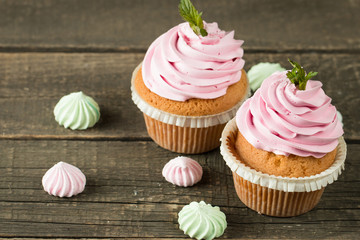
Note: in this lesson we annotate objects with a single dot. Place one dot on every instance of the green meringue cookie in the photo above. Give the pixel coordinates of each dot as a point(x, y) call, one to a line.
point(340, 117)
point(77, 111)
point(259, 72)
point(202, 221)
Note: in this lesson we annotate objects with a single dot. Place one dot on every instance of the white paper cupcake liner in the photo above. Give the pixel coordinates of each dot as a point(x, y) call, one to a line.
point(179, 120)
point(286, 184)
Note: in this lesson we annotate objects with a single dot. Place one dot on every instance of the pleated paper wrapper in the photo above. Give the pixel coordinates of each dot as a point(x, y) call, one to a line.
point(183, 134)
point(275, 195)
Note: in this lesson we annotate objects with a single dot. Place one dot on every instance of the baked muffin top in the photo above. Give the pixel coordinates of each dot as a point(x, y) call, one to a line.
point(281, 165)
point(194, 106)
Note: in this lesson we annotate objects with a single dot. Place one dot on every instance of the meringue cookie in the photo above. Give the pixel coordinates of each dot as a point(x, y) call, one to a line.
point(202, 221)
point(182, 171)
point(64, 180)
point(77, 111)
point(259, 72)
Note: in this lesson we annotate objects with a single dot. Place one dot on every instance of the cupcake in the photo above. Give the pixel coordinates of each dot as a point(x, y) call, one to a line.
point(284, 145)
point(190, 84)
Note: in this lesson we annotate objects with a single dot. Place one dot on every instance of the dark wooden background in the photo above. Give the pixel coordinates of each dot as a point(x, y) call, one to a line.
point(51, 48)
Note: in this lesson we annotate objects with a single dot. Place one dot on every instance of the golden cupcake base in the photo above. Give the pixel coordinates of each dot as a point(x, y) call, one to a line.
point(274, 202)
point(184, 139)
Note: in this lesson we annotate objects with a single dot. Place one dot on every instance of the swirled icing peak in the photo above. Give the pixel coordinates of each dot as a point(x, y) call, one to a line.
point(180, 65)
point(77, 111)
point(202, 221)
point(64, 180)
point(282, 119)
point(259, 72)
point(182, 171)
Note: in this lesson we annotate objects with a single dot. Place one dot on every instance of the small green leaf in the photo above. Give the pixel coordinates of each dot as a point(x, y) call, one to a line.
point(203, 32)
point(290, 75)
point(310, 75)
point(302, 85)
point(189, 13)
point(298, 75)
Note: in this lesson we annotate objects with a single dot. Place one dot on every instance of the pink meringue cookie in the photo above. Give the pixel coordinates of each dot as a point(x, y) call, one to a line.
point(64, 180)
point(182, 171)
point(282, 119)
point(181, 65)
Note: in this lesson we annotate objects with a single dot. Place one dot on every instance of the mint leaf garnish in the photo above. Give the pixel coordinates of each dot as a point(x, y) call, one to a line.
point(189, 13)
point(298, 75)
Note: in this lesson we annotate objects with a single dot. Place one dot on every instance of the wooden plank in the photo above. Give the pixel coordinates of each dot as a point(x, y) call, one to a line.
point(112, 25)
point(160, 221)
point(126, 196)
point(108, 166)
point(31, 90)
point(32, 83)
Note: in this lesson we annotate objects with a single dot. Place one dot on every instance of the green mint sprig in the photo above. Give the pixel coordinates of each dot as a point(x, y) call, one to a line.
point(189, 13)
point(298, 75)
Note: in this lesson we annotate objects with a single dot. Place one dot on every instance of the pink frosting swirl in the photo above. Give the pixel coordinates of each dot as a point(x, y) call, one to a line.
point(281, 119)
point(180, 65)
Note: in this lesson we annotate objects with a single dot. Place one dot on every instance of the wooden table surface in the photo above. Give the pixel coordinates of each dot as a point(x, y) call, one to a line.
point(51, 48)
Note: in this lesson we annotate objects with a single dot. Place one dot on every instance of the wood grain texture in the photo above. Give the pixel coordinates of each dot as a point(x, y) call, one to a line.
point(121, 25)
point(32, 83)
point(111, 165)
point(126, 195)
